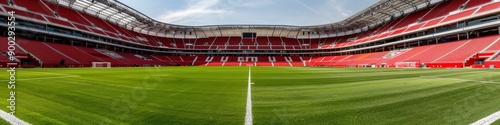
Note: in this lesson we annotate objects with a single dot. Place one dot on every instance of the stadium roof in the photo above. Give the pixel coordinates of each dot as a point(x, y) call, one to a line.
point(125, 16)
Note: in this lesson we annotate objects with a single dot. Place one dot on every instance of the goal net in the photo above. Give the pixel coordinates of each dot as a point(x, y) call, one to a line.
point(363, 65)
point(410, 64)
point(101, 65)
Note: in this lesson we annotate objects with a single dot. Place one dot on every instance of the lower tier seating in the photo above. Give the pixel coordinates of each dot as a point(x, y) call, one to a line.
point(448, 54)
point(48, 55)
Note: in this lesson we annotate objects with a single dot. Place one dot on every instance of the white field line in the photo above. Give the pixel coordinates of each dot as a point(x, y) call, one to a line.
point(49, 73)
point(56, 77)
point(465, 80)
point(248, 116)
point(13, 120)
point(457, 73)
point(488, 120)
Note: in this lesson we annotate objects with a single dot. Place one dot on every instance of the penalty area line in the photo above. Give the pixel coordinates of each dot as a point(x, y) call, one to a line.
point(488, 119)
point(248, 116)
point(13, 120)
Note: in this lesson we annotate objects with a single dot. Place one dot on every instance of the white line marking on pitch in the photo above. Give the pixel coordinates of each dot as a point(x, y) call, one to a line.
point(13, 120)
point(41, 78)
point(248, 116)
point(488, 120)
point(50, 73)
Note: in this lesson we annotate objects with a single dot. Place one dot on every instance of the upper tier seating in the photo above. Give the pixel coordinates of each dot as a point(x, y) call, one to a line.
point(34, 6)
point(412, 18)
point(473, 3)
point(444, 9)
point(458, 15)
point(24, 13)
point(489, 7)
point(67, 13)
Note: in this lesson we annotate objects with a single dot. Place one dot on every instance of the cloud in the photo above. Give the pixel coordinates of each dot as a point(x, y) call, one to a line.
point(256, 3)
point(210, 12)
point(308, 7)
point(340, 8)
point(335, 10)
point(279, 12)
point(196, 8)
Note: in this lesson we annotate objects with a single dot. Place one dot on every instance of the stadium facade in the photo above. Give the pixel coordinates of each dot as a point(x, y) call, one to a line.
point(389, 33)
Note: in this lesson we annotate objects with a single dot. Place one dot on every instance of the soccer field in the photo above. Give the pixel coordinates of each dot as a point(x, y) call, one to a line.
point(280, 95)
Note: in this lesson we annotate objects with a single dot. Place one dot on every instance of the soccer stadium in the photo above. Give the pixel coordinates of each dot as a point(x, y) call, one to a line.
point(104, 62)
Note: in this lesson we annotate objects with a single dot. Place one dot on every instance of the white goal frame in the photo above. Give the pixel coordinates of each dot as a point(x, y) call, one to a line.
point(406, 64)
point(365, 65)
point(101, 64)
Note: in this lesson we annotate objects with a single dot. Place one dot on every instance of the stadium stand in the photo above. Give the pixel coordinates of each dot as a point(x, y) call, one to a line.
point(474, 3)
point(34, 6)
point(489, 7)
point(67, 13)
point(435, 52)
point(49, 56)
point(444, 9)
point(4, 57)
point(216, 49)
point(467, 50)
point(80, 56)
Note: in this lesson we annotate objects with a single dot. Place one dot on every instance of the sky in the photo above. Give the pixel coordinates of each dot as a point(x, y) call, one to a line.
point(241, 12)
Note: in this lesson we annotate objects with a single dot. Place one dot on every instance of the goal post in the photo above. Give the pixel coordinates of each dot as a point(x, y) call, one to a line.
point(407, 64)
point(367, 65)
point(101, 64)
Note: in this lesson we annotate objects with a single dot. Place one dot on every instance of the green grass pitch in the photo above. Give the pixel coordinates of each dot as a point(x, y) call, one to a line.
point(280, 95)
point(3, 122)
